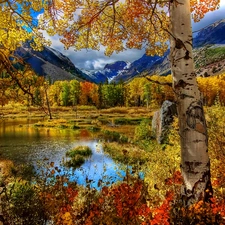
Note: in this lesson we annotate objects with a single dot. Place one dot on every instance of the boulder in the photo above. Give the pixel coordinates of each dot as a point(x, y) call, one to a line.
point(162, 120)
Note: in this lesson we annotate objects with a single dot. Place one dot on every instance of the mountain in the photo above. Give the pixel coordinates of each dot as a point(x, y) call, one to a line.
point(209, 49)
point(121, 70)
point(52, 63)
point(110, 71)
point(212, 34)
point(209, 53)
point(209, 56)
point(209, 60)
point(147, 64)
point(95, 76)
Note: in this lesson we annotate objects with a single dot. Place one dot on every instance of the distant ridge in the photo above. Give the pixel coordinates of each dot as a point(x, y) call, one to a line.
point(57, 66)
point(213, 34)
point(51, 63)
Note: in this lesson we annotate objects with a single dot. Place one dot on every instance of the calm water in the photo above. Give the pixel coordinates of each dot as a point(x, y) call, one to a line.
point(23, 143)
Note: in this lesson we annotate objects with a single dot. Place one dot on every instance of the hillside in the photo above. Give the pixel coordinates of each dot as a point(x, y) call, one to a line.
point(209, 60)
point(51, 63)
point(212, 34)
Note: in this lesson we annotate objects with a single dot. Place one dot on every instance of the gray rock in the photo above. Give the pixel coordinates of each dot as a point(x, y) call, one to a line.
point(162, 120)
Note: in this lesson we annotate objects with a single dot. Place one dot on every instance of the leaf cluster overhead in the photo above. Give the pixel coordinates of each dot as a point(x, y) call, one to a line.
point(17, 26)
point(116, 24)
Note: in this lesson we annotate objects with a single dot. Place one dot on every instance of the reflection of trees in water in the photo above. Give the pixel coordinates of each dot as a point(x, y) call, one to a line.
point(50, 145)
point(84, 134)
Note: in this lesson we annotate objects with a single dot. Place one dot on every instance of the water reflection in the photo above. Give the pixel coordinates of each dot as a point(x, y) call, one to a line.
point(27, 144)
point(99, 167)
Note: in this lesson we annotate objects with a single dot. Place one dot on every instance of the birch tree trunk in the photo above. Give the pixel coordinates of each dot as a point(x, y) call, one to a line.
point(195, 163)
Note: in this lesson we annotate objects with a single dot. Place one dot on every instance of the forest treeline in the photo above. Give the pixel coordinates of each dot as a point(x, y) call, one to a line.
point(36, 90)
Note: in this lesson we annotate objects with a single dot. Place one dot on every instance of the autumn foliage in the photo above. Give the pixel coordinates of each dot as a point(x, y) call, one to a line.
point(59, 201)
point(138, 92)
point(213, 89)
point(116, 25)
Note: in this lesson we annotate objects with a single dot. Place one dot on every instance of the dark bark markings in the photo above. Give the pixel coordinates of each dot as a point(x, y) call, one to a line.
point(195, 118)
point(190, 195)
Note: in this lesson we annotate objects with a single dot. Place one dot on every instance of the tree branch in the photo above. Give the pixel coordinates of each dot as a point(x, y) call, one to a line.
point(160, 83)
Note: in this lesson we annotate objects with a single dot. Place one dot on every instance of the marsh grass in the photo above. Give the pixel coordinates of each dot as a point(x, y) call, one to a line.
point(126, 153)
point(119, 110)
point(77, 156)
point(114, 136)
point(119, 119)
point(79, 150)
point(127, 121)
point(59, 123)
point(86, 107)
point(94, 129)
point(75, 161)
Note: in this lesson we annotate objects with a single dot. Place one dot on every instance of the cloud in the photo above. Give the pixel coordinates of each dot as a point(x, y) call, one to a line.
point(93, 60)
point(89, 59)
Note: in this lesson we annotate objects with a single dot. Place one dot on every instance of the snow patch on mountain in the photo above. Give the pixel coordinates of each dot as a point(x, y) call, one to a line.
point(109, 72)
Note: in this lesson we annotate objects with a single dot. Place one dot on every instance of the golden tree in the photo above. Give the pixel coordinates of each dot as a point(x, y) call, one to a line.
point(16, 27)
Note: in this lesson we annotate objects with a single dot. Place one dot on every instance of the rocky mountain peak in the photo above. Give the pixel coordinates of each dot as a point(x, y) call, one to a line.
point(212, 34)
point(50, 62)
point(118, 65)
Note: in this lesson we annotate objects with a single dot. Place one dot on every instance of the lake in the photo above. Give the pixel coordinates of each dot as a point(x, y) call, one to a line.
point(23, 143)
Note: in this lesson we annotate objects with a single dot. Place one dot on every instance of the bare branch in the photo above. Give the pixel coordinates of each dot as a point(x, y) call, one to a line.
point(160, 83)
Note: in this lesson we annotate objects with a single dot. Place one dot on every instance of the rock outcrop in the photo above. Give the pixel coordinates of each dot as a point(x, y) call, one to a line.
point(162, 120)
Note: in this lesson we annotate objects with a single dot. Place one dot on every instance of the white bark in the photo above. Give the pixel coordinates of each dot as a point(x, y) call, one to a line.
point(195, 164)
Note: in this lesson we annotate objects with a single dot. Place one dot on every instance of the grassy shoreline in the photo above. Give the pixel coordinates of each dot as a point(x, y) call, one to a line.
point(119, 119)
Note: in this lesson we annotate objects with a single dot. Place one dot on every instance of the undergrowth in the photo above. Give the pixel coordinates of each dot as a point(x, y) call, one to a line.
point(51, 198)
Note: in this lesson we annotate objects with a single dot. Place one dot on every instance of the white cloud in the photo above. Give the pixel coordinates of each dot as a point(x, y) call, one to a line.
point(100, 63)
point(90, 59)
point(222, 2)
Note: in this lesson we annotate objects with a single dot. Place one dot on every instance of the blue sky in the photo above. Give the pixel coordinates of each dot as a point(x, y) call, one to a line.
point(92, 60)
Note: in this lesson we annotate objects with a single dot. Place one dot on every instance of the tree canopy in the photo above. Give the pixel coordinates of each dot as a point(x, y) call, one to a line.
point(115, 24)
